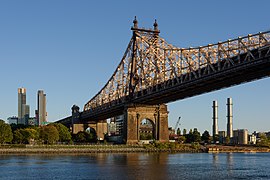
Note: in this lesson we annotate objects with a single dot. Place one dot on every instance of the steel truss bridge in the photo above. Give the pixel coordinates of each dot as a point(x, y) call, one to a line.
point(152, 71)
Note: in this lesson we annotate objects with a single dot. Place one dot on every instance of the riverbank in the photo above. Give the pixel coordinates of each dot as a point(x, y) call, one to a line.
point(69, 149)
point(237, 148)
point(160, 147)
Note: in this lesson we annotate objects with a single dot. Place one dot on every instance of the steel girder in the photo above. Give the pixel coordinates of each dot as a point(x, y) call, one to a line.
point(151, 63)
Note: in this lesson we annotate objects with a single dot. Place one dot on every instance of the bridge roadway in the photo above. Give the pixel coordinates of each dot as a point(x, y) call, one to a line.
point(188, 85)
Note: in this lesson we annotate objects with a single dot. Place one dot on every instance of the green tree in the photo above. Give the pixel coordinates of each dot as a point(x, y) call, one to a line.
point(263, 140)
point(79, 137)
point(14, 127)
point(196, 135)
point(83, 136)
point(206, 137)
point(29, 135)
point(184, 131)
point(189, 137)
point(64, 133)
point(49, 134)
point(6, 135)
point(178, 132)
point(17, 136)
point(181, 139)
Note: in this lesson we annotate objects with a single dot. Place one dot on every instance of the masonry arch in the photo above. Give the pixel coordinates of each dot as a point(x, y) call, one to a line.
point(90, 130)
point(147, 129)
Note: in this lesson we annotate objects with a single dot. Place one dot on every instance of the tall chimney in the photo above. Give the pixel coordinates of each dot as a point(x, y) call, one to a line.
point(229, 118)
point(215, 120)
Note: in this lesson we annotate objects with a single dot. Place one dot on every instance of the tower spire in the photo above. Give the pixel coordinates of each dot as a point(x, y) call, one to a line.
point(155, 25)
point(135, 22)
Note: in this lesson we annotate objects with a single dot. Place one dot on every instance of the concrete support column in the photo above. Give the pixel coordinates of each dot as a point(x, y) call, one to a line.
point(77, 128)
point(101, 129)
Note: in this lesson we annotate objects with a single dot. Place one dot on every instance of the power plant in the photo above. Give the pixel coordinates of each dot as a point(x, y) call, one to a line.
point(229, 119)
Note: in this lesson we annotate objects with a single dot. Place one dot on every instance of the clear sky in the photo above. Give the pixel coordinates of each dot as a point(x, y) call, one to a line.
point(71, 48)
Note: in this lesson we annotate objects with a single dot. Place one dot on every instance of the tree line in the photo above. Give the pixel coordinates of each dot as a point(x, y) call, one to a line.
point(193, 136)
point(49, 134)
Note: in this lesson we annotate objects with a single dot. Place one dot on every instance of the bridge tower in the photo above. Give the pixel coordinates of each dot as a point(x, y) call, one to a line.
point(134, 114)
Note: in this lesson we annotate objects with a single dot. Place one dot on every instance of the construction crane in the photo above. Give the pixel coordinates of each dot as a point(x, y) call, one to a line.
point(177, 124)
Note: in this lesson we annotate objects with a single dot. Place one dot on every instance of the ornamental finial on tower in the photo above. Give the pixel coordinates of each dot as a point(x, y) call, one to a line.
point(135, 22)
point(156, 25)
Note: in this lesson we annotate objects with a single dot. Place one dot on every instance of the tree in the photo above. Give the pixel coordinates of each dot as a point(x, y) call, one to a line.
point(196, 135)
point(189, 137)
point(83, 136)
point(17, 136)
point(5, 132)
point(14, 127)
point(206, 137)
point(263, 140)
point(181, 139)
point(49, 134)
point(184, 132)
point(64, 134)
point(29, 135)
point(178, 132)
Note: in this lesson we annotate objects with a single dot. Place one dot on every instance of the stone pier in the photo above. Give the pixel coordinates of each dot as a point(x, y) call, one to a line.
point(135, 114)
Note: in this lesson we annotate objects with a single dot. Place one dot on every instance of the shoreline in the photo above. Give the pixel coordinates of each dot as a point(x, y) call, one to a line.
point(93, 149)
point(236, 149)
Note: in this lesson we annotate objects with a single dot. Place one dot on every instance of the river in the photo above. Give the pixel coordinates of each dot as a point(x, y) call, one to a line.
point(137, 166)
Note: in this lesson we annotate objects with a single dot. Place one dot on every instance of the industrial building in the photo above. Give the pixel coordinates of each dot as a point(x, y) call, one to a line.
point(222, 136)
point(240, 136)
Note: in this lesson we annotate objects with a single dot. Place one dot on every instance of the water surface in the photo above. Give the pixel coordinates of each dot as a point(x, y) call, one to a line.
point(137, 166)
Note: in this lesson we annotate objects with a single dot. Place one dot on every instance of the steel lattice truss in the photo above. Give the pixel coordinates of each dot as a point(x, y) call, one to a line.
point(150, 61)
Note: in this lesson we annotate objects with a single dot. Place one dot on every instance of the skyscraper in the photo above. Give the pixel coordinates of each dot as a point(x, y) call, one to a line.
point(22, 105)
point(41, 111)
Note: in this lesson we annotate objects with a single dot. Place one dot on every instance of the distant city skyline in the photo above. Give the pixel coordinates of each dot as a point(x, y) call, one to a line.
point(71, 49)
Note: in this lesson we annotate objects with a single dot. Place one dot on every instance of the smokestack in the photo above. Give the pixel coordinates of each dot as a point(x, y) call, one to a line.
point(229, 118)
point(215, 119)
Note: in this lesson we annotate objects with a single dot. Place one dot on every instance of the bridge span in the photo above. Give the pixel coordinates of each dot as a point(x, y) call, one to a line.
point(153, 72)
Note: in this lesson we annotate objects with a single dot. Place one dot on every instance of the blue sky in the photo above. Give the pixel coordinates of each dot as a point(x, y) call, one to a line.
point(71, 48)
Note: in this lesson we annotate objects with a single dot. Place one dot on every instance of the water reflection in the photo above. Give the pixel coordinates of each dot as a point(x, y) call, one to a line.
point(136, 166)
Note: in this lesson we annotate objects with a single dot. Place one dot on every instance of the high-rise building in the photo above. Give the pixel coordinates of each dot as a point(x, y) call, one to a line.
point(229, 118)
point(41, 111)
point(26, 110)
point(23, 109)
